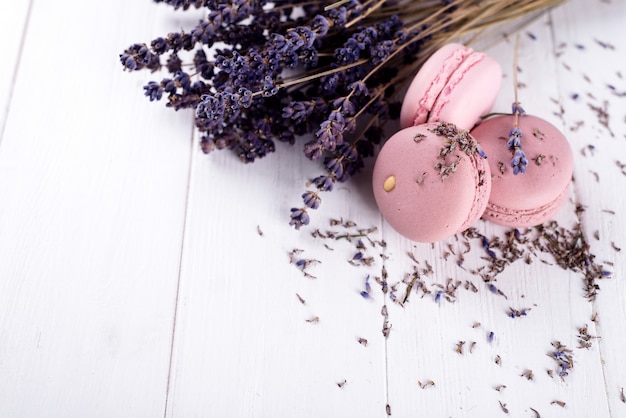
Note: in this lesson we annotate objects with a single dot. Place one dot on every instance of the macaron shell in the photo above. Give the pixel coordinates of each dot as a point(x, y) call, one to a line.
point(482, 181)
point(530, 198)
point(456, 84)
point(429, 82)
point(524, 218)
point(470, 92)
point(421, 205)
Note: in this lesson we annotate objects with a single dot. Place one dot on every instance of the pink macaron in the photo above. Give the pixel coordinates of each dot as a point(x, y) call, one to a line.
point(431, 182)
point(456, 85)
point(533, 197)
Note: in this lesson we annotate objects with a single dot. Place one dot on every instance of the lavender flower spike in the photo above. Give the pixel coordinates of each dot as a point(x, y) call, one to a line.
point(519, 160)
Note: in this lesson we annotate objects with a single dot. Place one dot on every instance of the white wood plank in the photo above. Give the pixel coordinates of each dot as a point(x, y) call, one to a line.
point(243, 346)
point(93, 183)
point(13, 21)
point(591, 64)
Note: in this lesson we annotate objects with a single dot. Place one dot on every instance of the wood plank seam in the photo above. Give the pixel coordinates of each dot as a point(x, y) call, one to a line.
point(180, 271)
point(577, 200)
point(16, 68)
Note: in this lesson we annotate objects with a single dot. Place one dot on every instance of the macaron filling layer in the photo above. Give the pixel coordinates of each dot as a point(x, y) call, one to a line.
point(439, 82)
point(453, 81)
point(528, 217)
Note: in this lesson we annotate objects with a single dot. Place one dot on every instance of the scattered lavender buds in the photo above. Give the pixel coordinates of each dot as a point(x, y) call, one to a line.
point(367, 293)
point(386, 325)
point(454, 139)
point(563, 357)
point(516, 313)
point(567, 246)
point(323, 74)
point(493, 289)
point(303, 264)
point(584, 338)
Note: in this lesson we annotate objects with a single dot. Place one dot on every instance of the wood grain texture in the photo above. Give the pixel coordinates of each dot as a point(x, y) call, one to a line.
point(140, 277)
point(593, 96)
point(93, 201)
point(245, 345)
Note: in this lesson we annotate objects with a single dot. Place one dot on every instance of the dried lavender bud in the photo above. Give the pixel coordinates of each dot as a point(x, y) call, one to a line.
point(299, 217)
point(311, 199)
point(514, 143)
point(563, 357)
point(426, 384)
point(516, 313)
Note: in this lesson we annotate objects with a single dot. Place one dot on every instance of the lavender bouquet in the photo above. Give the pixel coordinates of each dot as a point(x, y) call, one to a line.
point(325, 75)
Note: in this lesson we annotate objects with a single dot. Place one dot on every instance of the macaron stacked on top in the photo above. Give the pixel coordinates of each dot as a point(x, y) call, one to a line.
point(456, 84)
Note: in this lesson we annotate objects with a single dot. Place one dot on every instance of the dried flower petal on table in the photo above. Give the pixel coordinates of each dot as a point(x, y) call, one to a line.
point(584, 338)
point(425, 384)
point(563, 357)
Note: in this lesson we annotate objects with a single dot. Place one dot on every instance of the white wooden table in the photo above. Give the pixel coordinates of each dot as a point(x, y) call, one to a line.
point(142, 278)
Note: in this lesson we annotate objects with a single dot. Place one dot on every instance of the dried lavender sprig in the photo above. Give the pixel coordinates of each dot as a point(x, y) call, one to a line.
point(519, 160)
point(514, 143)
point(341, 56)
